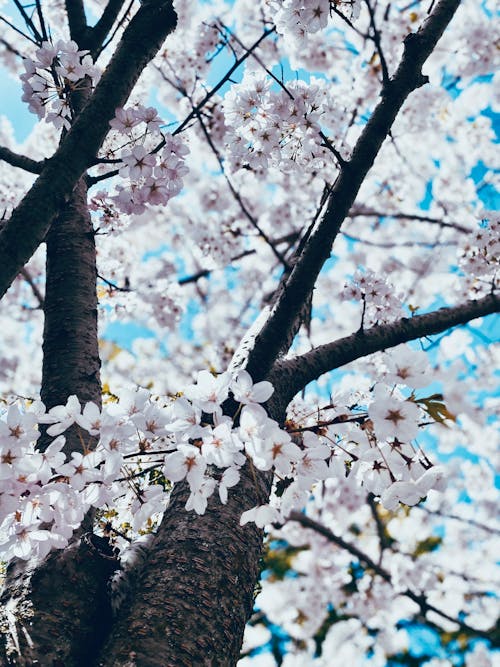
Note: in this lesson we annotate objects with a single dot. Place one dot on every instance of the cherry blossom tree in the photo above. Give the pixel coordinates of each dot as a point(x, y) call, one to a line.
point(248, 259)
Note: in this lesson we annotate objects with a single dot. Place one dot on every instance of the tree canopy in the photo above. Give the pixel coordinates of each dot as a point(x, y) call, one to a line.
point(249, 272)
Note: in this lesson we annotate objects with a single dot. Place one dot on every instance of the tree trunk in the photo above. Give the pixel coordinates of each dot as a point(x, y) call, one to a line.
point(195, 594)
point(62, 605)
point(71, 361)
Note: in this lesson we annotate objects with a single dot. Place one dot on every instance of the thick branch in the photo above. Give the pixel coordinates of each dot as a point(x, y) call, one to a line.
point(30, 221)
point(67, 595)
point(70, 350)
point(278, 327)
point(76, 20)
point(54, 602)
point(21, 161)
point(99, 32)
point(294, 374)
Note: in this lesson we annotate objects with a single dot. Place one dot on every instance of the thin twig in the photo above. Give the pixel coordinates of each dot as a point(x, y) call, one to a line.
point(117, 27)
point(41, 20)
point(403, 244)
point(34, 287)
point(10, 48)
point(419, 599)
point(20, 32)
point(224, 80)
point(378, 44)
point(238, 198)
point(29, 22)
point(362, 212)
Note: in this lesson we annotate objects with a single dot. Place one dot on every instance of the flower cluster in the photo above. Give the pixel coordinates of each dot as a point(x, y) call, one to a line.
point(380, 303)
point(52, 76)
point(296, 19)
point(152, 175)
point(479, 257)
point(143, 447)
point(277, 128)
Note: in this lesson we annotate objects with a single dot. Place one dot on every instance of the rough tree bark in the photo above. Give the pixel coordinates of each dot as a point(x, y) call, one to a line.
point(70, 345)
point(59, 603)
point(196, 591)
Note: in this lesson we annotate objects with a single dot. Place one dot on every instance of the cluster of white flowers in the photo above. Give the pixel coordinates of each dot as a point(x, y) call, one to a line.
point(479, 257)
point(296, 19)
point(45, 496)
point(380, 303)
point(52, 76)
point(152, 176)
point(267, 128)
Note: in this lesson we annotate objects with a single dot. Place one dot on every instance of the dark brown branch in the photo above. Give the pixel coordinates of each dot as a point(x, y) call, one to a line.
point(377, 42)
point(294, 374)
point(383, 536)
point(419, 599)
point(34, 287)
point(99, 32)
point(65, 593)
point(76, 20)
point(20, 32)
point(251, 219)
point(396, 244)
point(30, 221)
point(196, 591)
point(21, 161)
point(70, 351)
point(195, 111)
point(29, 21)
point(71, 365)
point(204, 273)
point(66, 626)
point(455, 517)
point(356, 212)
point(10, 48)
point(117, 27)
point(276, 329)
point(41, 20)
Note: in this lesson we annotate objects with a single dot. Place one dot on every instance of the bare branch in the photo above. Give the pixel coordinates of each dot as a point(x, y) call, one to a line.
point(34, 287)
point(377, 42)
point(244, 208)
point(20, 32)
point(101, 29)
point(224, 79)
point(357, 212)
point(396, 244)
point(29, 22)
point(21, 161)
point(10, 48)
point(294, 374)
point(204, 273)
point(41, 20)
point(76, 20)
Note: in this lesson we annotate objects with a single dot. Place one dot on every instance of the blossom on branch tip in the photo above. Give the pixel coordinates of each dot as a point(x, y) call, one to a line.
point(393, 417)
point(245, 391)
